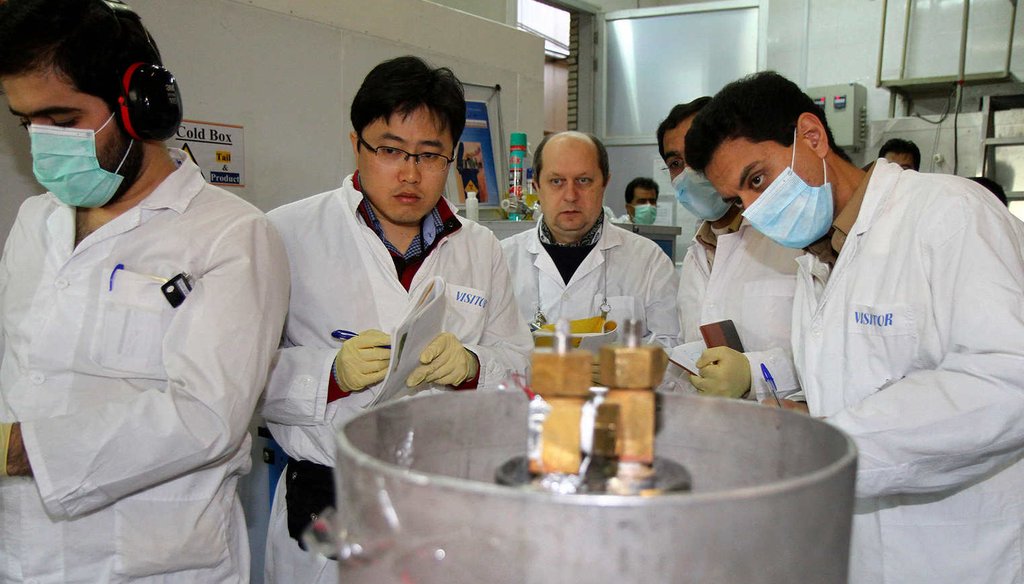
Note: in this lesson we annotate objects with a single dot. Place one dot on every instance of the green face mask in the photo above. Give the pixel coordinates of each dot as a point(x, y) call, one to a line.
point(645, 214)
point(64, 162)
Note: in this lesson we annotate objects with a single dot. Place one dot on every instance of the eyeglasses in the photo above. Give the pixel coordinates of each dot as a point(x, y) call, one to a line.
point(391, 156)
point(674, 166)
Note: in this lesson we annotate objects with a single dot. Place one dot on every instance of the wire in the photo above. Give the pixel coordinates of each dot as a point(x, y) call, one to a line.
point(945, 113)
point(956, 115)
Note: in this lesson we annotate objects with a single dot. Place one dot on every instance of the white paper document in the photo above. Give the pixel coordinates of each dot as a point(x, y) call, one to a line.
point(682, 364)
point(420, 326)
point(686, 355)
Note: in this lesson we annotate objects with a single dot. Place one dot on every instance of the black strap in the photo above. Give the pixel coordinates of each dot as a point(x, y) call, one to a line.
point(310, 491)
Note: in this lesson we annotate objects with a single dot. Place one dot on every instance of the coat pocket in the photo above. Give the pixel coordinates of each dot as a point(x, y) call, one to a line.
point(767, 313)
point(623, 308)
point(157, 537)
point(132, 318)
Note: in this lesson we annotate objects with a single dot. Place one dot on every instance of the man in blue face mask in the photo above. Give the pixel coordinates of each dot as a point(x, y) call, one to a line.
point(731, 272)
point(140, 309)
point(908, 330)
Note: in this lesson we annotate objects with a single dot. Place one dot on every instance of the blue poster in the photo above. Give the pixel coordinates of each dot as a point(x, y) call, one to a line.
point(474, 157)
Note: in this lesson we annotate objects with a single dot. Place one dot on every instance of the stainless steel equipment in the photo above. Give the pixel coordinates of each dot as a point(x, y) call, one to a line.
point(771, 501)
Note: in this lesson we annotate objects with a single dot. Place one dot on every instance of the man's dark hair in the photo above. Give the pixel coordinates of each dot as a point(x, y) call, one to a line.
point(402, 86)
point(901, 146)
point(602, 153)
point(86, 42)
point(759, 107)
point(678, 115)
point(993, 187)
point(640, 182)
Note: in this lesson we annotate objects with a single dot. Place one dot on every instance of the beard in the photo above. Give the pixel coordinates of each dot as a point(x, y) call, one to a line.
point(112, 154)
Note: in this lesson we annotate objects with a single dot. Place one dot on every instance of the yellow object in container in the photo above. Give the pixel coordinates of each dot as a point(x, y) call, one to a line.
point(595, 325)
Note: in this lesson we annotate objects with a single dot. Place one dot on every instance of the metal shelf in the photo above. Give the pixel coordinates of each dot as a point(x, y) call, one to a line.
point(1004, 141)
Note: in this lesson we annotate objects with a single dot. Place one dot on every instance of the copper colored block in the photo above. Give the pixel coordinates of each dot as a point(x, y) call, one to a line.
point(636, 424)
point(632, 368)
point(606, 430)
point(560, 444)
point(566, 374)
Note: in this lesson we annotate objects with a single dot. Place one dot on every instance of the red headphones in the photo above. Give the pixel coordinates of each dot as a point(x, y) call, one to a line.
point(149, 107)
point(149, 103)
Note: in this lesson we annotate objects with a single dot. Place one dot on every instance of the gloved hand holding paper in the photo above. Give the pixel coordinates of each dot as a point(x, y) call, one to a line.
point(723, 372)
point(423, 324)
point(445, 362)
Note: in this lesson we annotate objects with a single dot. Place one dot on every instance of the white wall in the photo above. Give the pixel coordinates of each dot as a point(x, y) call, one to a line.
point(838, 42)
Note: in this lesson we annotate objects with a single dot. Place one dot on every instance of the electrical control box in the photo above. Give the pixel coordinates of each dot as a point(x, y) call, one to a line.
point(846, 110)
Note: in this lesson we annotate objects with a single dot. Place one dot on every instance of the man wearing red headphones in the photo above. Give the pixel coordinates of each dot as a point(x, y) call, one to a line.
point(132, 358)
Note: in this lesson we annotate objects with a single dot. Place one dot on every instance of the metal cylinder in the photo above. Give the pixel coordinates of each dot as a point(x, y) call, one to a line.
point(771, 502)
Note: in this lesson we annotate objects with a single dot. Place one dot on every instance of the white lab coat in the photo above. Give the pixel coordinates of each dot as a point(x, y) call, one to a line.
point(344, 278)
point(640, 284)
point(752, 284)
point(135, 414)
point(914, 345)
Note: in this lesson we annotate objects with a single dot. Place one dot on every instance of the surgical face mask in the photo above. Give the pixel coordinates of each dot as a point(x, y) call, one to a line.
point(65, 163)
point(698, 196)
point(645, 214)
point(791, 212)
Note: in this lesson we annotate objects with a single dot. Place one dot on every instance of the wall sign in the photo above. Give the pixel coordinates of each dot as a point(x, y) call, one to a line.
point(217, 149)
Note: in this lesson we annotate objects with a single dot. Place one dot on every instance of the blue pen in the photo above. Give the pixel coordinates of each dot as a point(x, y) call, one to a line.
point(112, 272)
point(771, 384)
point(344, 335)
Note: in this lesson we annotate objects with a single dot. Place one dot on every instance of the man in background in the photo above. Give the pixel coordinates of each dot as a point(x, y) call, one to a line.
point(993, 187)
point(577, 265)
point(362, 256)
point(641, 202)
point(902, 152)
point(141, 308)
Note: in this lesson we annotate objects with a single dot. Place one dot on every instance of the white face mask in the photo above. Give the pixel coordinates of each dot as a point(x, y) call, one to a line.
point(698, 195)
point(791, 212)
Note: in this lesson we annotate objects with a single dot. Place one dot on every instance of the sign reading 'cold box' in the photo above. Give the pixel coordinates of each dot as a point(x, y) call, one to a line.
point(217, 149)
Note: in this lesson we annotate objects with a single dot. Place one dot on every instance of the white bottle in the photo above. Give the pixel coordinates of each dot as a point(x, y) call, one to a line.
point(472, 206)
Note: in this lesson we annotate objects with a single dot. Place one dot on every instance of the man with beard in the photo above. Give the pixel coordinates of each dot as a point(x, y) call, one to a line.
point(129, 294)
point(908, 330)
point(731, 272)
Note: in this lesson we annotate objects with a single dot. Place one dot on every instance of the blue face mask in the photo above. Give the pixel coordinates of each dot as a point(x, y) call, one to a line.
point(698, 196)
point(791, 212)
point(645, 214)
point(64, 162)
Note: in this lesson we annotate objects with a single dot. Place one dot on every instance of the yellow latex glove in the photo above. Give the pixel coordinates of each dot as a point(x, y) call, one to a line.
point(362, 360)
point(724, 372)
point(445, 362)
point(5, 440)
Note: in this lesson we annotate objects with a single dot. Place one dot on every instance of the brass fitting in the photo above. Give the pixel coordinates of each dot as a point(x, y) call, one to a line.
point(627, 367)
point(561, 374)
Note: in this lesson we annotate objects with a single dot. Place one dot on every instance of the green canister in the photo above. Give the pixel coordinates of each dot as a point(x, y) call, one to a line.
point(516, 163)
